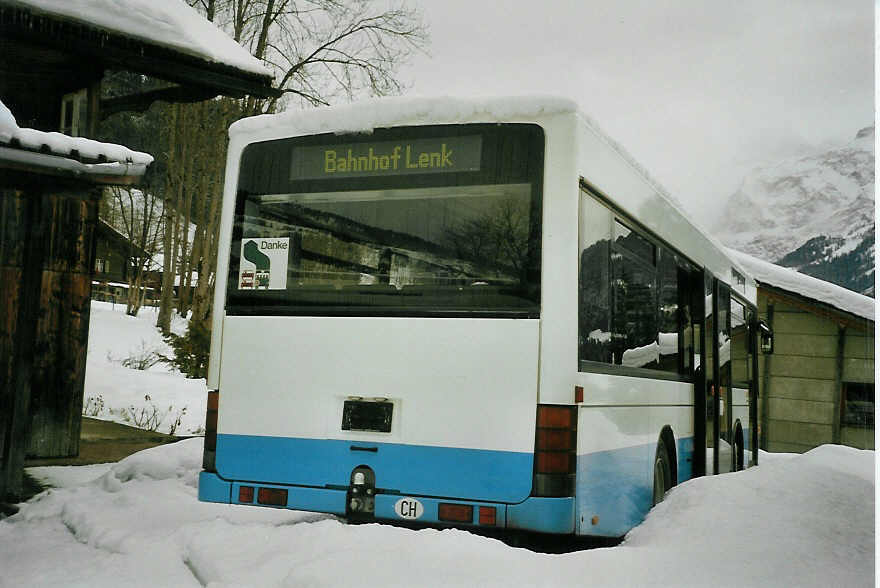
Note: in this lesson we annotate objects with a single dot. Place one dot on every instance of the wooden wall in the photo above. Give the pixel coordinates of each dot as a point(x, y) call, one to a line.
point(46, 256)
point(802, 381)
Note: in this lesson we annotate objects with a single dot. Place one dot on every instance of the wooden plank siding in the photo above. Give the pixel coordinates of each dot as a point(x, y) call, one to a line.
point(813, 356)
point(46, 255)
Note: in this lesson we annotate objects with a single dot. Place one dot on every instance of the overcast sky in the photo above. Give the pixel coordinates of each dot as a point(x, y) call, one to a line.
point(699, 91)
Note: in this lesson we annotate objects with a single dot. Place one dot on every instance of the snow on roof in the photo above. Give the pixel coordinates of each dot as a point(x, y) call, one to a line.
point(792, 281)
point(42, 148)
point(364, 116)
point(169, 23)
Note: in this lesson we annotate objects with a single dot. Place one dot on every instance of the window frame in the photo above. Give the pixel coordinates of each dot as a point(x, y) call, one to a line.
point(529, 140)
point(661, 247)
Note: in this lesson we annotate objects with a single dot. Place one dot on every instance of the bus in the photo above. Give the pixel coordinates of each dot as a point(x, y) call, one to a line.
point(467, 312)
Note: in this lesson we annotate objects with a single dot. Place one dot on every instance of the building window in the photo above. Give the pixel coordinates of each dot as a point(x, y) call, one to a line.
point(102, 266)
point(858, 405)
point(74, 112)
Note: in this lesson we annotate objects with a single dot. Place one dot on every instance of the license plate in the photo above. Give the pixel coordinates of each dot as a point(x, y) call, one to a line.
point(367, 415)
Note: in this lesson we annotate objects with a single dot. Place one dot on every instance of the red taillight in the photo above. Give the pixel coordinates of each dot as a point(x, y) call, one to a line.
point(209, 455)
point(272, 496)
point(487, 515)
point(555, 439)
point(555, 450)
point(553, 463)
point(455, 513)
point(555, 417)
point(246, 494)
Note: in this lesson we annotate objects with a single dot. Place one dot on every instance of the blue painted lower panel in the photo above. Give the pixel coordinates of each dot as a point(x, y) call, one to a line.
point(481, 475)
point(214, 489)
point(545, 515)
point(685, 459)
point(614, 488)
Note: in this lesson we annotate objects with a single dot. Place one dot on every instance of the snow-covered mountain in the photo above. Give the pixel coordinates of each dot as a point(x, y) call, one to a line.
point(815, 214)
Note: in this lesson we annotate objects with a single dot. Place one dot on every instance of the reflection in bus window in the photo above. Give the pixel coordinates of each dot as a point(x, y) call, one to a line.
point(633, 309)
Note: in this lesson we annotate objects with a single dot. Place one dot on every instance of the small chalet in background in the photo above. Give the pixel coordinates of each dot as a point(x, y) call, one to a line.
point(53, 56)
point(112, 267)
point(818, 384)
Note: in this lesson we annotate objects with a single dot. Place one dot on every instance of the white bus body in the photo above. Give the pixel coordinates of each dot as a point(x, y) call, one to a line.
point(460, 392)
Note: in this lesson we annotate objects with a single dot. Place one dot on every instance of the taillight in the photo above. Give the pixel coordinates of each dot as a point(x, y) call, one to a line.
point(272, 496)
point(487, 515)
point(210, 453)
point(455, 513)
point(246, 494)
point(555, 450)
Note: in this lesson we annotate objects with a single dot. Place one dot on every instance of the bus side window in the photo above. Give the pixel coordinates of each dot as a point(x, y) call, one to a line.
point(594, 300)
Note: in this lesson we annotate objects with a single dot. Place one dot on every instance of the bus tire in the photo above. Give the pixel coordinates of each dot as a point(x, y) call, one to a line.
point(662, 474)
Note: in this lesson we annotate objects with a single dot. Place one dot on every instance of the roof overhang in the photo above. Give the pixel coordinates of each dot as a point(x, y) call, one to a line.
point(118, 51)
point(29, 162)
point(816, 307)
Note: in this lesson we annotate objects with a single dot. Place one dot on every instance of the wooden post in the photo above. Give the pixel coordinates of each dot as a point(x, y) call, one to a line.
point(764, 392)
point(46, 255)
point(69, 223)
point(838, 385)
point(18, 303)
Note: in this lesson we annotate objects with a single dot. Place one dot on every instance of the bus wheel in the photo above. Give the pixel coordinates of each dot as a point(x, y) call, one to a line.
point(662, 474)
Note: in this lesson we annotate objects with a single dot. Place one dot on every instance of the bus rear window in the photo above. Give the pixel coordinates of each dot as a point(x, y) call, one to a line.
point(373, 241)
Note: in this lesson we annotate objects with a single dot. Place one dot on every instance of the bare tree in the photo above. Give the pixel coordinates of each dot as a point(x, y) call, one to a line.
point(136, 214)
point(321, 51)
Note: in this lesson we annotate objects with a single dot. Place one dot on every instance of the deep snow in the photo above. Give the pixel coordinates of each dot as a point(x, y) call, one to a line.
point(796, 520)
point(803, 520)
point(120, 391)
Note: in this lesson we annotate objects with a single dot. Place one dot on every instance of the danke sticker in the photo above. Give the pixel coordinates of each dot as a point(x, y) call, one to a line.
point(263, 263)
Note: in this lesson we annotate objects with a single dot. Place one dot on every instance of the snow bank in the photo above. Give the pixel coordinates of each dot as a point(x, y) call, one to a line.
point(813, 288)
point(169, 23)
point(123, 395)
point(796, 520)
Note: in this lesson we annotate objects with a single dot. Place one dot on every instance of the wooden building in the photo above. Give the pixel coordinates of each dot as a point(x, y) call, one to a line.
point(817, 386)
point(53, 57)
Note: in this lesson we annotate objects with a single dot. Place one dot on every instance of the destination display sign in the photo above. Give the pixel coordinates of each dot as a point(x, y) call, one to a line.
point(387, 158)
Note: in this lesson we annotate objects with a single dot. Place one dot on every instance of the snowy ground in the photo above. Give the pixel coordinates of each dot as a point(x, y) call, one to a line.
point(796, 520)
point(129, 396)
point(805, 520)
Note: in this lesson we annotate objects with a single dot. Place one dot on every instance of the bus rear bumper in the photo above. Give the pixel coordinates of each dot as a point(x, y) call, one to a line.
point(542, 515)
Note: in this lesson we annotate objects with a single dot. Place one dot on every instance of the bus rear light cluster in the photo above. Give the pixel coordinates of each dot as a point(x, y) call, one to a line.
point(455, 513)
point(555, 450)
point(210, 452)
point(487, 515)
point(246, 494)
point(272, 496)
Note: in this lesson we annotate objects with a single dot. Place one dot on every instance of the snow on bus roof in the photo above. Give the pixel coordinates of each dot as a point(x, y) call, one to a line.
point(169, 23)
point(366, 115)
point(793, 281)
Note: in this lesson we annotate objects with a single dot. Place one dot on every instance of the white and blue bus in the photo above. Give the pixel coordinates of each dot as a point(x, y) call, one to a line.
point(467, 312)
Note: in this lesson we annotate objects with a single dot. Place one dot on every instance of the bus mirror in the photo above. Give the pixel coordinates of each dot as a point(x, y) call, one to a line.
point(766, 335)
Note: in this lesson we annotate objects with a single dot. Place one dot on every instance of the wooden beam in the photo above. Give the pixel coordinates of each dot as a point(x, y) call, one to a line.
point(114, 50)
point(143, 101)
